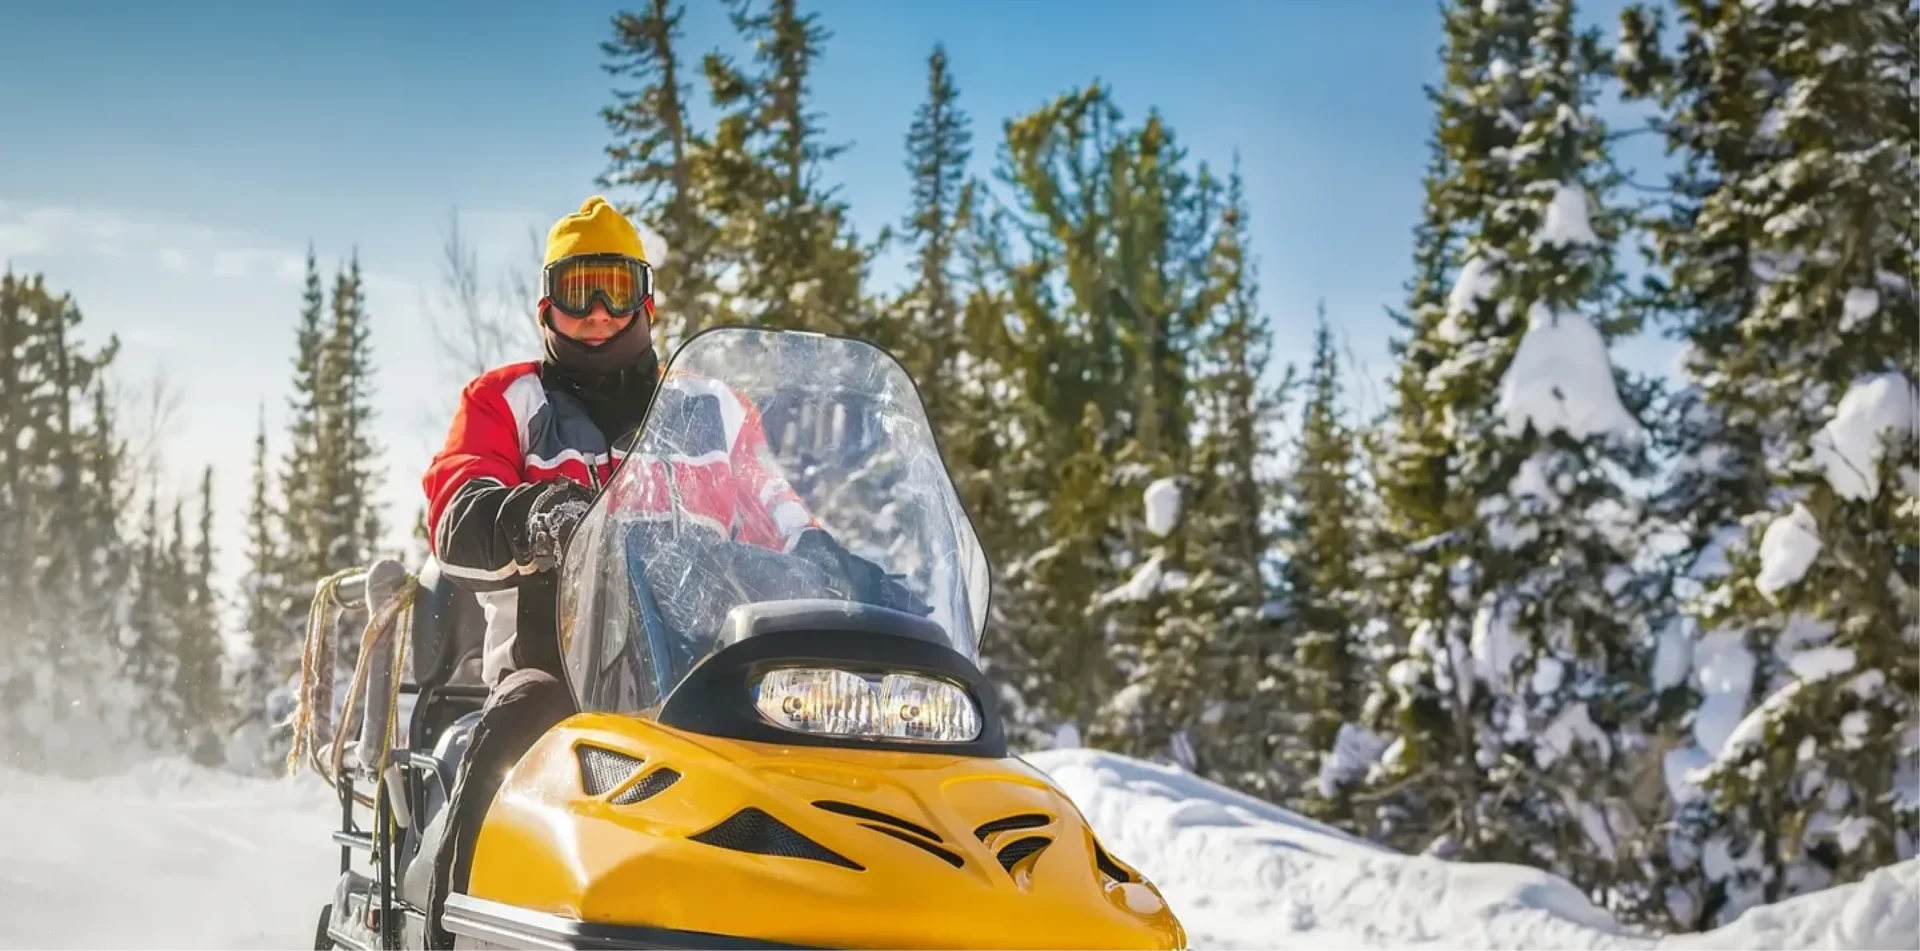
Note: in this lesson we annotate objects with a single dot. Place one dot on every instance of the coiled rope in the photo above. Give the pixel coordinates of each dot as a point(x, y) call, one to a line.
point(316, 681)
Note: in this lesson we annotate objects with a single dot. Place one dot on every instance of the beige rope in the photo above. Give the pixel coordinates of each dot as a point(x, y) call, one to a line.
point(311, 658)
point(316, 679)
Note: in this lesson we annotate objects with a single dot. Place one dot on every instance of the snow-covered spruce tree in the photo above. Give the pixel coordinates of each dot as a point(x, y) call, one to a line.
point(1532, 660)
point(657, 151)
point(1791, 246)
point(1326, 670)
point(1426, 778)
point(1709, 673)
point(1246, 724)
point(1160, 294)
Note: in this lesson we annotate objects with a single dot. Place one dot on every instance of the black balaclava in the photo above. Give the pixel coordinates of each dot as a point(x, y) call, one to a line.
point(614, 379)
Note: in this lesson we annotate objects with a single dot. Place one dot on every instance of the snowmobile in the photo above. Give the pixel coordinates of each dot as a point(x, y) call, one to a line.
point(766, 754)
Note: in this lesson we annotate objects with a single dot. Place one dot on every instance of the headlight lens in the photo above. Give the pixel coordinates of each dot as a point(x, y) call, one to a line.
point(842, 703)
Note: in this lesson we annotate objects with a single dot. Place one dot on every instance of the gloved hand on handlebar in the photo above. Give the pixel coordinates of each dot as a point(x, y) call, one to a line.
point(551, 521)
point(868, 582)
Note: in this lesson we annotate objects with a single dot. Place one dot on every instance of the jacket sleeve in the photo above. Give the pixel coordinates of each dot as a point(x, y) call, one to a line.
point(477, 498)
point(769, 512)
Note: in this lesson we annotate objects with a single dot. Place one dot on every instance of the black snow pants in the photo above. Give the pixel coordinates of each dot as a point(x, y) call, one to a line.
point(523, 706)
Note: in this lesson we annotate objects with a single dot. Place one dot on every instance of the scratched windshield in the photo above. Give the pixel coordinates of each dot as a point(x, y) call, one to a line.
point(773, 466)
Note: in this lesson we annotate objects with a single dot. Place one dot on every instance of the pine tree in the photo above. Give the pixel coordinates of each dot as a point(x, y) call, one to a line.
point(926, 327)
point(1426, 774)
point(1224, 610)
point(197, 652)
point(1322, 575)
point(1058, 336)
point(1522, 655)
point(301, 491)
point(658, 152)
point(150, 657)
point(272, 646)
point(347, 465)
point(793, 261)
point(59, 658)
point(1789, 250)
point(1103, 285)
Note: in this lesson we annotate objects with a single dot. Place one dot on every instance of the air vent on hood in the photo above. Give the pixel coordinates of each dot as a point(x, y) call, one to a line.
point(873, 815)
point(751, 830)
point(652, 785)
point(1108, 866)
point(942, 854)
point(1021, 848)
point(601, 771)
point(1027, 820)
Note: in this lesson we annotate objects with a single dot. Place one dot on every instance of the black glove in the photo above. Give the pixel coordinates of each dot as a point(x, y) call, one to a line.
point(551, 520)
point(867, 582)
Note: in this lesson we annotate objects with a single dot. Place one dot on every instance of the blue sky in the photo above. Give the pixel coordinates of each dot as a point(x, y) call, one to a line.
point(182, 158)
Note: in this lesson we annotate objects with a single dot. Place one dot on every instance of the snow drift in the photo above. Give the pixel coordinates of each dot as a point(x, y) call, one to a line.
point(197, 859)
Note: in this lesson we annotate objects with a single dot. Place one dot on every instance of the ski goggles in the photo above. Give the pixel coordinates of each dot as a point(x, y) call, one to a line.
point(573, 285)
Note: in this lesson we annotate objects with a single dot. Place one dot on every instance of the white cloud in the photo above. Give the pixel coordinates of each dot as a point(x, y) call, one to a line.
point(31, 231)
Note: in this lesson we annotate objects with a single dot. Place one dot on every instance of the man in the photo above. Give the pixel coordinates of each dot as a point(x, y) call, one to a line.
point(530, 446)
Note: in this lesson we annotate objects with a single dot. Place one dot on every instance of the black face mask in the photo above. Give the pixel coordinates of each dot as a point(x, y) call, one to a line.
point(611, 356)
point(615, 380)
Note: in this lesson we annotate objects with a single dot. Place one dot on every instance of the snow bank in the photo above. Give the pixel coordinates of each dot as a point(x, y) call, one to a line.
point(1881, 911)
point(193, 858)
point(1561, 379)
point(1243, 873)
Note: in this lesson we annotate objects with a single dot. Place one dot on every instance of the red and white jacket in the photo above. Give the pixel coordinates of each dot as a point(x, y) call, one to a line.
point(512, 434)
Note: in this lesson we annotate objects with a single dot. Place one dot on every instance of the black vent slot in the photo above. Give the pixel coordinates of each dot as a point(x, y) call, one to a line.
point(751, 830)
point(1021, 848)
point(862, 812)
point(944, 855)
point(603, 770)
point(1027, 820)
point(1108, 866)
point(655, 783)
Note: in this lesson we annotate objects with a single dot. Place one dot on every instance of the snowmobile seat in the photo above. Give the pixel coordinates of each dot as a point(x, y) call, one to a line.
point(449, 632)
point(449, 628)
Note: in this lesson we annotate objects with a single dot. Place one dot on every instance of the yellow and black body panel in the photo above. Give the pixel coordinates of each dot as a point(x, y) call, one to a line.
point(620, 831)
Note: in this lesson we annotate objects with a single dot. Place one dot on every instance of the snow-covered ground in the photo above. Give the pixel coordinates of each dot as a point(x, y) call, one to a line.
point(169, 856)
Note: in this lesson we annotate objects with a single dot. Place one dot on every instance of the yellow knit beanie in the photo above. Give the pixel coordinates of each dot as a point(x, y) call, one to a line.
point(597, 228)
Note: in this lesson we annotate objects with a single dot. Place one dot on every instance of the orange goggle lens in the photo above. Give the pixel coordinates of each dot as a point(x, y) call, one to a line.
point(574, 284)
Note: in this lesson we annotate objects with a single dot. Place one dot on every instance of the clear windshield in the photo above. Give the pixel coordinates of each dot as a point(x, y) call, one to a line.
point(773, 466)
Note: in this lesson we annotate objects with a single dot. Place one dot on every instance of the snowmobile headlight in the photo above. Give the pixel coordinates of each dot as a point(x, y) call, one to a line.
point(842, 703)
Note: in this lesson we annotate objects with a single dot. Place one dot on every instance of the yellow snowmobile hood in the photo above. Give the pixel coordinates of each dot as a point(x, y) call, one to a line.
point(613, 823)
